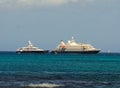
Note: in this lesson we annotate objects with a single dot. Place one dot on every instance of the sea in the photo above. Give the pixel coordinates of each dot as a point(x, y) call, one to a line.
point(59, 70)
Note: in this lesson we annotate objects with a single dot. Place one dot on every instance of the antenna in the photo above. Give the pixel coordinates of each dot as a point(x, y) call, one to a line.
point(73, 40)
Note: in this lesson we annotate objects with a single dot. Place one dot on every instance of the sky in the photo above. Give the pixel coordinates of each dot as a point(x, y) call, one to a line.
point(46, 22)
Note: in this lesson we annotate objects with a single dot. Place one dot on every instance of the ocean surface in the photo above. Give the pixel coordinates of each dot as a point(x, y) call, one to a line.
point(59, 70)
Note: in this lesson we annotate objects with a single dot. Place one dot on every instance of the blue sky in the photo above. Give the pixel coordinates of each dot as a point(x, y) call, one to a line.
point(46, 22)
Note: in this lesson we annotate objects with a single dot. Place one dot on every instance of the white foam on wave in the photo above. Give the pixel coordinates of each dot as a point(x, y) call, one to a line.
point(46, 85)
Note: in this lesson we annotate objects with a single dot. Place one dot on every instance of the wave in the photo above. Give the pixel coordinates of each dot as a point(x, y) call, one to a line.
point(44, 85)
point(36, 76)
point(53, 72)
point(59, 84)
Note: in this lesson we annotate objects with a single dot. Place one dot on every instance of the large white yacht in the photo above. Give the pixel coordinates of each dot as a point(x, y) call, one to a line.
point(31, 49)
point(73, 47)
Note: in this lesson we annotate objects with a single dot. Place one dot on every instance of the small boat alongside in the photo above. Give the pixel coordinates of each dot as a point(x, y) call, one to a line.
point(31, 49)
point(73, 47)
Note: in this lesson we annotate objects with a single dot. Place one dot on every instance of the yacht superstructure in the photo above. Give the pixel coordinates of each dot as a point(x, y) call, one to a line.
point(73, 47)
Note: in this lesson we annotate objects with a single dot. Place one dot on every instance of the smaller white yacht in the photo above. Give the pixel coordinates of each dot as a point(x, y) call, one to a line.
point(31, 49)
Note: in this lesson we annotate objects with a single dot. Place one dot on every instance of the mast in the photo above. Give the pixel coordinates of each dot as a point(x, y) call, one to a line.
point(30, 44)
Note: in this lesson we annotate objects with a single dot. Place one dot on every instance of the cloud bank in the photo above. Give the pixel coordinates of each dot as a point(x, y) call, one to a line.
point(37, 3)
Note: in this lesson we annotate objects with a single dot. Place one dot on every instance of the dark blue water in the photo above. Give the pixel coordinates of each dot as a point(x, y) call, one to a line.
point(59, 71)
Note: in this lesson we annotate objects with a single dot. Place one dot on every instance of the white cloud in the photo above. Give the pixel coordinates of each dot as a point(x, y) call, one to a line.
point(29, 3)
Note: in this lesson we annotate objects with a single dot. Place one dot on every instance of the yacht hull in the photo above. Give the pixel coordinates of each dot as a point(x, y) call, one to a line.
point(79, 52)
point(41, 52)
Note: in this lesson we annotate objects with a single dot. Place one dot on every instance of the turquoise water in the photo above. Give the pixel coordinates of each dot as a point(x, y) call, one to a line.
point(59, 71)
